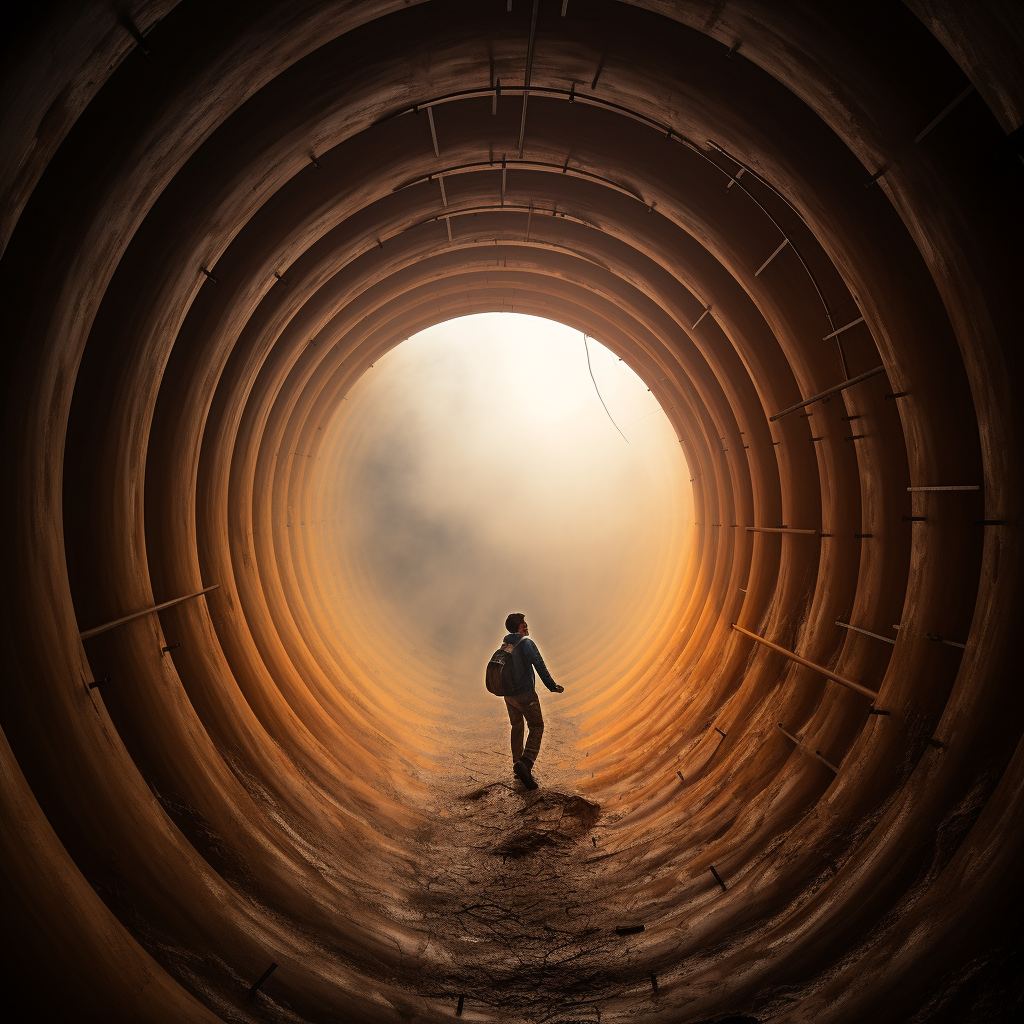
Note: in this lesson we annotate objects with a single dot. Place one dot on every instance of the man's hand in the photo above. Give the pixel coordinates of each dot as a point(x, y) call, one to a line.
point(558, 689)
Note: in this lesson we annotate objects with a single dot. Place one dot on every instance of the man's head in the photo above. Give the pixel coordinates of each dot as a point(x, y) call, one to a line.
point(516, 623)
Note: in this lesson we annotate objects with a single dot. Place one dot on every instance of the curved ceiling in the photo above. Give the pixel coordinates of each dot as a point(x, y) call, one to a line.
point(217, 217)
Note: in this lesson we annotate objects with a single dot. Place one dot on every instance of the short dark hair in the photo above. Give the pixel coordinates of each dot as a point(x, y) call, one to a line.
point(513, 621)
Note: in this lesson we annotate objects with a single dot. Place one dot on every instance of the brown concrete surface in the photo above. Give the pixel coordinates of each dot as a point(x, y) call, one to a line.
point(291, 787)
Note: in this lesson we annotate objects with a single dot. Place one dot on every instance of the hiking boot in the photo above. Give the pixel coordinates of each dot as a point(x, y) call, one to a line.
point(523, 771)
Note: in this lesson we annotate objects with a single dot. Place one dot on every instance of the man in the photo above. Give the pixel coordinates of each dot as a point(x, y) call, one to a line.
point(524, 702)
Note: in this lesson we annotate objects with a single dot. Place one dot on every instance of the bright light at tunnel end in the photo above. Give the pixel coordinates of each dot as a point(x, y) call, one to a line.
point(480, 471)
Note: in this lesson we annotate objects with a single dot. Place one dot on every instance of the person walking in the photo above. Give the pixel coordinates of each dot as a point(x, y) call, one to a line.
point(524, 704)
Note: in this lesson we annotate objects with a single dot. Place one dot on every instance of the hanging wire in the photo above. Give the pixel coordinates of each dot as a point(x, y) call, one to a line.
point(591, 369)
point(645, 415)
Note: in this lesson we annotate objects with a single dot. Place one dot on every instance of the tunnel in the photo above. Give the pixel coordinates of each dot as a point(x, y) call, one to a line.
point(788, 783)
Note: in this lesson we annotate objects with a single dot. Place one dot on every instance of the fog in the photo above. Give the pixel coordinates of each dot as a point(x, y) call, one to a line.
point(484, 476)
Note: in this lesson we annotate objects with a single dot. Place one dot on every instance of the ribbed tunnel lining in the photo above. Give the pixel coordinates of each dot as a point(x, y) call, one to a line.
point(238, 223)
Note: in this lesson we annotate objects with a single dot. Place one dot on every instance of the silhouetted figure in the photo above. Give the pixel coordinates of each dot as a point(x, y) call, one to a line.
point(524, 702)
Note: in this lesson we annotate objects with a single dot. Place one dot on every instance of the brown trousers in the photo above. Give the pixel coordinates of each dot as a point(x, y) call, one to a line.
point(525, 706)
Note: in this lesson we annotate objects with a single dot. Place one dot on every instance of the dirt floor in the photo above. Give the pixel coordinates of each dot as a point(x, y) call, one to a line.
point(514, 882)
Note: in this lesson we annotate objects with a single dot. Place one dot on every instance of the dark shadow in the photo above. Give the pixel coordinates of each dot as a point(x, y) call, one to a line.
point(532, 822)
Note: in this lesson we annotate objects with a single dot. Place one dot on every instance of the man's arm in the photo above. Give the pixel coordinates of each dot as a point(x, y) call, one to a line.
point(532, 652)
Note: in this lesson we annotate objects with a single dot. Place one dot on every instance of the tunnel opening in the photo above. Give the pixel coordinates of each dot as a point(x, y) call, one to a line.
point(237, 784)
point(478, 470)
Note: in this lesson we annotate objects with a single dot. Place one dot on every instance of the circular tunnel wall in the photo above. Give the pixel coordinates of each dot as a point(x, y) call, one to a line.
point(788, 786)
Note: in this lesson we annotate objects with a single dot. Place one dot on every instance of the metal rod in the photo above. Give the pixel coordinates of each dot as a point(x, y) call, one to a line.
point(817, 753)
point(827, 394)
point(529, 72)
point(839, 345)
point(785, 242)
point(661, 127)
point(789, 735)
point(262, 978)
point(448, 225)
point(433, 131)
point(134, 32)
point(852, 323)
point(779, 529)
point(565, 7)
point(444, 195)
point(458, 1009)
point(951, 643)
point(948, 487)
point(718, 878)
point(946, 110)
point(548, 166)
point(750, 195)
point(146, 611)
point(866, 632)
point(495, 208)
point(842, 680)
point(701, 317)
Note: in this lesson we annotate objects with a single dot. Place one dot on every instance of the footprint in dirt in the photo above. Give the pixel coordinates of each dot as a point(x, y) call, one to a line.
point(531, 823)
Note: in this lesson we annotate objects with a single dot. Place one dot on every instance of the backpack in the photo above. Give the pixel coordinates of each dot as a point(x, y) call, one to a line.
point(499, 678)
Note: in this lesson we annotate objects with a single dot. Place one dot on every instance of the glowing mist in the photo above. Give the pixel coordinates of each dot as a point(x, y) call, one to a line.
point(488, 478)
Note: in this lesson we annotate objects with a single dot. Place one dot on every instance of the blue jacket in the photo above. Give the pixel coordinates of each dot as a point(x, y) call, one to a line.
point(524, 658)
